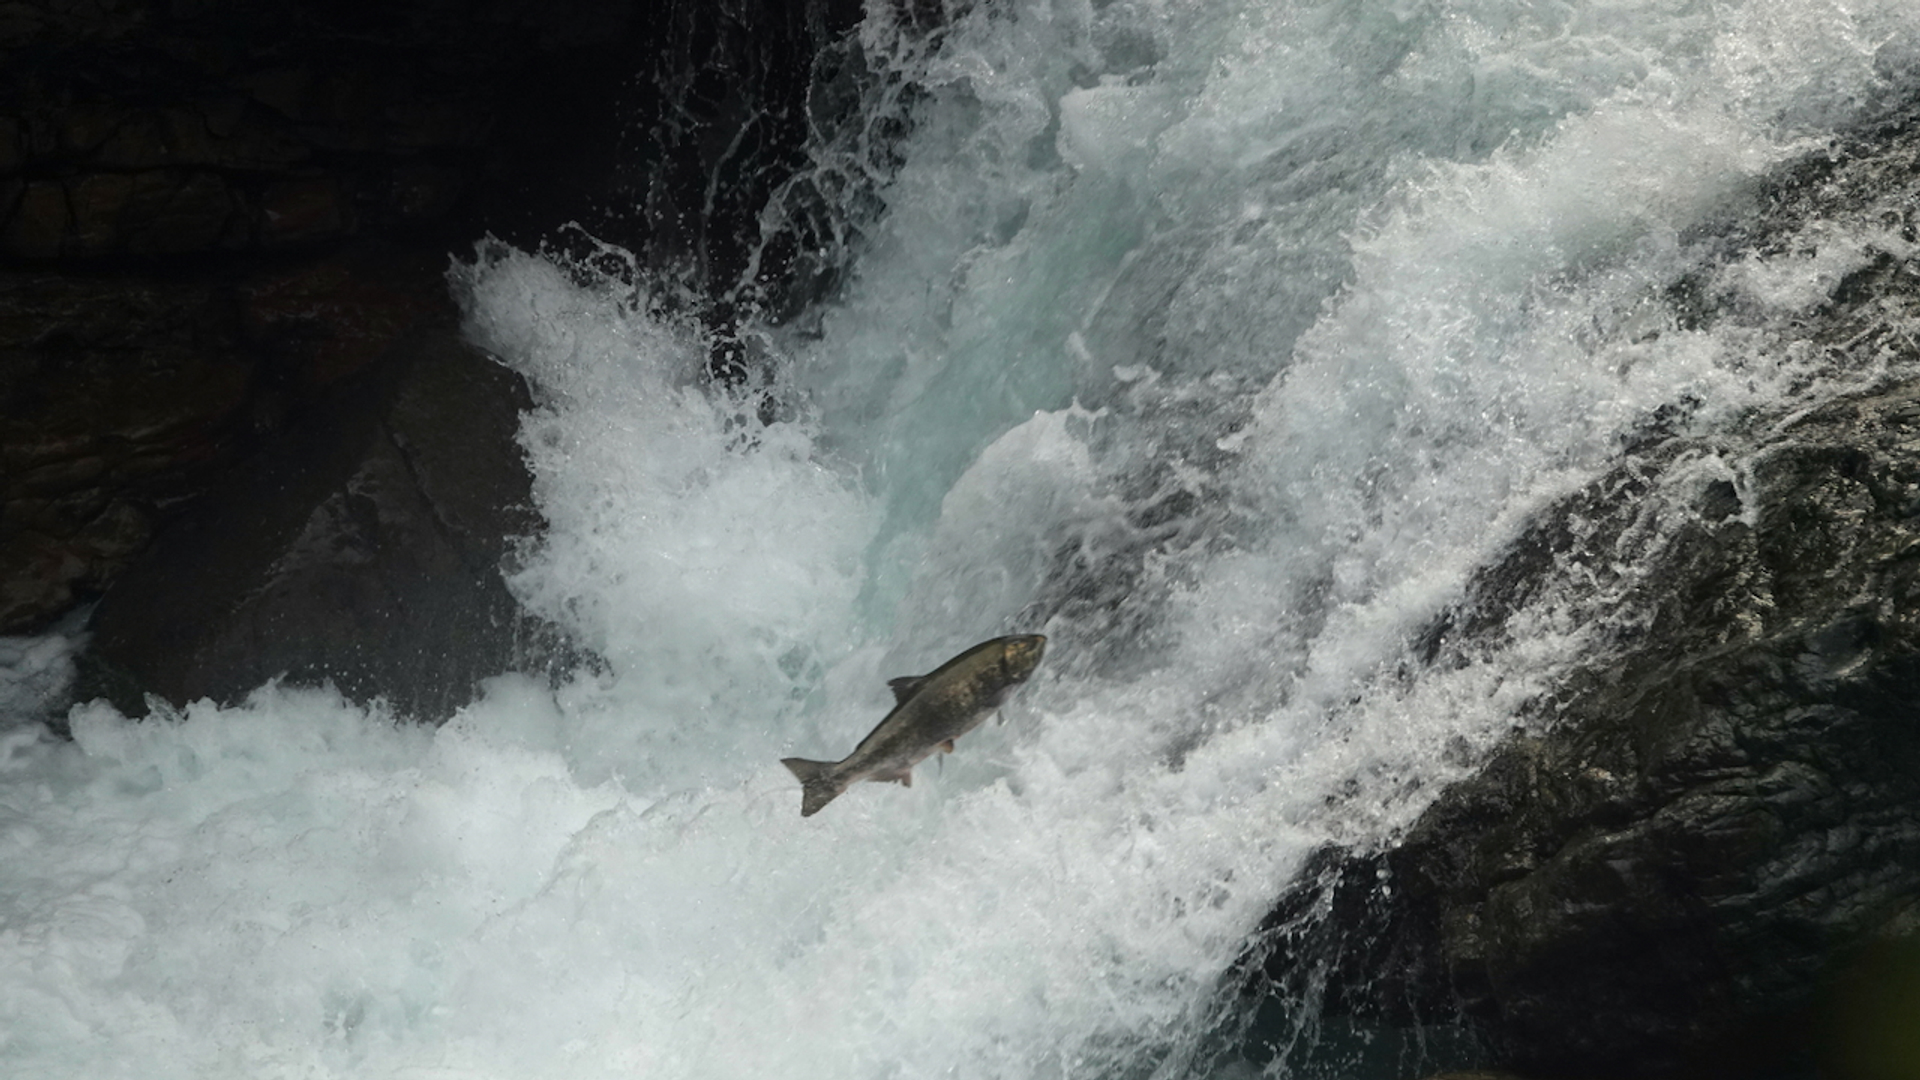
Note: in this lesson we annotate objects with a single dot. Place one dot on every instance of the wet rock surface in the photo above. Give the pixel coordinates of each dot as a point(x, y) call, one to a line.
point(363, 548)
point(210, 212)
point(126, 395)
point(154, 129)
point(1663, 880)
point(222, 222)
point(1722, 821)
point(1712, 829)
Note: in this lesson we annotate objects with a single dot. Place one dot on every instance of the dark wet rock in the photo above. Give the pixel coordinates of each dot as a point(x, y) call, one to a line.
point(111, 394)
point(364, 548)
point(1710, 830)
point(37, 221)
point(211, 210)
point(125, 395)
point(733, 102)
point(163, 129)
point(1724, 813)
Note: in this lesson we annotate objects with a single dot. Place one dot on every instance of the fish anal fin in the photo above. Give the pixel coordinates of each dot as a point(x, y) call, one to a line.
point(903, 777)
point(905, 687)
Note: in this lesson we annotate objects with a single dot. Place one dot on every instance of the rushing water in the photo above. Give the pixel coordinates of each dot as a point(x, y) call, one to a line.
point(1219, 341)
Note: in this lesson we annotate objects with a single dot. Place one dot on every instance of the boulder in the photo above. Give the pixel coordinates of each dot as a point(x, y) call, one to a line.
point(1705, 840)
point(211, 210)
point(1722, 815)
point(364, 548)
point(1720, 824)
point(123, 396)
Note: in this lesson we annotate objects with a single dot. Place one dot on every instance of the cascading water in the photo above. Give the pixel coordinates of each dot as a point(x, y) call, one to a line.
point(1220, 342)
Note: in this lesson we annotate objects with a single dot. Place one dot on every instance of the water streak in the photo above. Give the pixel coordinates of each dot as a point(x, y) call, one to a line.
point(1219, 341)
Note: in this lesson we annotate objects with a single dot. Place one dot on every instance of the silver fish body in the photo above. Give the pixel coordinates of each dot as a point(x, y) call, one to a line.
point(930, 711)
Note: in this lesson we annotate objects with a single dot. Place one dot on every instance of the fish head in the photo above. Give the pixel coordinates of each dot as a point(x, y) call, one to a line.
point(1019, 655)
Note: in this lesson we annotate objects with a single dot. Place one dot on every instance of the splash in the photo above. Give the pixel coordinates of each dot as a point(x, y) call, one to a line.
point(1220, 342)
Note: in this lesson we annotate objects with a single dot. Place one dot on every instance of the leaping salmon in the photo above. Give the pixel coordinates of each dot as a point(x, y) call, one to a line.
point(929, 712)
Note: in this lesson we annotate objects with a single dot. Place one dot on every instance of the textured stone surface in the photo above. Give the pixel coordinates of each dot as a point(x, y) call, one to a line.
point(1725, 813)
point(211, 210)
point(1712, 829)
point(227, 127)
point(1723, 820)
point(363, 548)
point(125, 395)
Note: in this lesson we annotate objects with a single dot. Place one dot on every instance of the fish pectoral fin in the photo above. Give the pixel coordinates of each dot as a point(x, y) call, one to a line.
point(905, 687)
point(1000, 717)
point(947, 747)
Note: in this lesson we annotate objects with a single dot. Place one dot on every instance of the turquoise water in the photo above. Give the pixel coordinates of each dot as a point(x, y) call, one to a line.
point(1220, 342)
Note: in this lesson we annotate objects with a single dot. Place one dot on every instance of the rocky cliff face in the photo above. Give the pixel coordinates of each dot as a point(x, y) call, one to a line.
point(210, 213)
point(1713, 828)
point(1724, 811)
point(222, 223)
point(364, 547)
point(126, 394)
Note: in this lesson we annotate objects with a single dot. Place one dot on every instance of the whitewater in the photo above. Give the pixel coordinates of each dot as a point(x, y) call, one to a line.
point(1220, 342)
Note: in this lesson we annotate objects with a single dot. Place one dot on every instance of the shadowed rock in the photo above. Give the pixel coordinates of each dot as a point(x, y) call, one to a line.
point(123, 397)
point(363, 548)
point(1711, 827)
point(210, 210)
point(1724, 816)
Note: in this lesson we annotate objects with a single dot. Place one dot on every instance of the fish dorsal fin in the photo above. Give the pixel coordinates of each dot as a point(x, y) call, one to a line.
point(905, 687)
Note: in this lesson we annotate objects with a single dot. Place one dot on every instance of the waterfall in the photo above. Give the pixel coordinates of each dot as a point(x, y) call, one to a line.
point(1219, 341)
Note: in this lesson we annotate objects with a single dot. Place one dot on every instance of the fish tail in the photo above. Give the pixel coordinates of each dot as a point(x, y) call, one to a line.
point(819, 785)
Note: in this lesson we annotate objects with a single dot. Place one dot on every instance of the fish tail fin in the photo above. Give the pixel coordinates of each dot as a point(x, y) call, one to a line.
point(818, 783)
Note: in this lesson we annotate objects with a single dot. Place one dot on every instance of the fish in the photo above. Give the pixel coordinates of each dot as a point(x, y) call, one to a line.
point(929, 712)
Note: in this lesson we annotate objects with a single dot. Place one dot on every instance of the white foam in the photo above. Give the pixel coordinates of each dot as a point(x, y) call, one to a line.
point(35, 673)
point(1278, 319)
